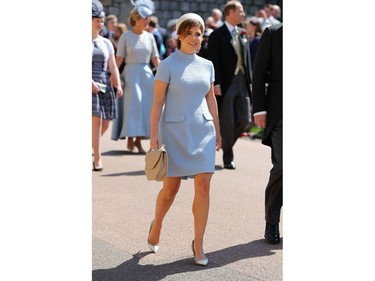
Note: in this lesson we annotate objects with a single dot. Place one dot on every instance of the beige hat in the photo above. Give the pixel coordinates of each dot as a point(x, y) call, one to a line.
point(189, 16)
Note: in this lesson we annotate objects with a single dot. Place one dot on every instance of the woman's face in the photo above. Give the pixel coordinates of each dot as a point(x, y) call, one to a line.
point(97, 24)
point(191, 43)
point(250, 28)
point(118, 33)
point(143, 22)
point(112, 24)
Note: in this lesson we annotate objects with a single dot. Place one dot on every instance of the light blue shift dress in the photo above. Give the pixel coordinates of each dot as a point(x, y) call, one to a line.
point(186, 126)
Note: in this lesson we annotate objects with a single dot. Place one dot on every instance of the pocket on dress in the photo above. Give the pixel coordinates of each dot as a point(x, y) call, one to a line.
point(208, 116)
point(174, 118)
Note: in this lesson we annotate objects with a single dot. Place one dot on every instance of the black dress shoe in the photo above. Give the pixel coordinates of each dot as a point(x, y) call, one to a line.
point(230, 166)
point(272, 233)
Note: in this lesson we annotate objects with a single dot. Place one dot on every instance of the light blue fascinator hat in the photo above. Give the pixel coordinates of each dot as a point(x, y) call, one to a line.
point(145, 8)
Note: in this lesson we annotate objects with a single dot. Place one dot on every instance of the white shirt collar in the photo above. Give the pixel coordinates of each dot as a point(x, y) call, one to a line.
point(229, 26)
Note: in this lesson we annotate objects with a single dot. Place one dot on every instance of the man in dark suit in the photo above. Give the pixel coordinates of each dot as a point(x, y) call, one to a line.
point(230, 57)
point(267, 108)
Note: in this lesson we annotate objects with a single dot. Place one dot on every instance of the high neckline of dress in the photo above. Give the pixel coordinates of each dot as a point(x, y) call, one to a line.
point(99, 38)
point(135, 33)
point(184, 55)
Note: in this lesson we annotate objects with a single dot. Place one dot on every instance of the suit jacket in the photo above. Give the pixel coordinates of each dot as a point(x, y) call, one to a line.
point(268, 68)
point(224, 58)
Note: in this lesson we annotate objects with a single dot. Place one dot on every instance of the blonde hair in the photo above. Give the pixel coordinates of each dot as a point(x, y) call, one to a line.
point(122, 27)
point(133, 17)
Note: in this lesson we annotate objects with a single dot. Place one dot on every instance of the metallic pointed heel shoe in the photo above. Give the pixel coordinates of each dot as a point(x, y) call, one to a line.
point(154, 248)
point(202, 262)
point(96, 169)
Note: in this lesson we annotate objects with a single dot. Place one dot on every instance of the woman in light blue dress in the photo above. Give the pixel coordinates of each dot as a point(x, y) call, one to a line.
point(184, 117)
point(136, 47)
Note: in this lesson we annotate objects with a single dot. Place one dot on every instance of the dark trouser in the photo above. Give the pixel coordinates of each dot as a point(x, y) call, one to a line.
point(274, 189)
point(234, 115)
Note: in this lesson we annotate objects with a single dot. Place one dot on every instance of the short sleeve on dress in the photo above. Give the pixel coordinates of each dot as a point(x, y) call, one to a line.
point(154, 51)
point(212, 77)
point(162, 72)
point(121, 46)
point(109, 44)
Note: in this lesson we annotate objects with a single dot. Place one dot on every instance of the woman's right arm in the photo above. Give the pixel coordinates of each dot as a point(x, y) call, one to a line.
point(119, 61)
point(160, 90)
point(121, 53)
point(115, 75)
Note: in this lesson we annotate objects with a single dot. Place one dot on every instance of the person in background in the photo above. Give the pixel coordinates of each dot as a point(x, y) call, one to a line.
point(254, 32)
point(120, 29)
point(263, 19)
point(203, 50)
point(171, 27)
point(217, 15)
point(163, 31)
point(184, 117)
point(103, 96)
point(268, 8)
point(210, 23)
point(268, 114)
point(136, 48)
point(158, 39)
point(110, 24)
point(230, 57)
point(276, 13)
point(171, 46)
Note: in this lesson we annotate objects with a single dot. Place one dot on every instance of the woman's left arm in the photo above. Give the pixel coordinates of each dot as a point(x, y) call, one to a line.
point(212, 107)
point(115, 75)
point(155, 61)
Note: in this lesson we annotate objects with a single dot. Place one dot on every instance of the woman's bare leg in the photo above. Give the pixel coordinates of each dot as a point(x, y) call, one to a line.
point(96, 132)
point(138, 144)
point(164, 201)
point(201, 206)
point(130, 144)
point(105, 125)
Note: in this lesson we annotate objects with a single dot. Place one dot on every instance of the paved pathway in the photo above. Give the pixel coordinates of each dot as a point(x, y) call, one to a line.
point(123, 203)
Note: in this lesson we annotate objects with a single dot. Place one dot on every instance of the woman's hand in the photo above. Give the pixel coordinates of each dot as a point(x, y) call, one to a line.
point(95, 88)
point(119, 92)
point(218, 142)
point(154, 142)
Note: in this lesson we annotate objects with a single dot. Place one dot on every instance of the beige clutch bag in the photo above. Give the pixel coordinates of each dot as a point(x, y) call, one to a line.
point(156, 163)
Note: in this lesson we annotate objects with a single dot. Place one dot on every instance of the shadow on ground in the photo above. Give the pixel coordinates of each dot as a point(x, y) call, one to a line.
point(132, 270)
point(121, 152)
point(131, 173)
point(141, 173)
